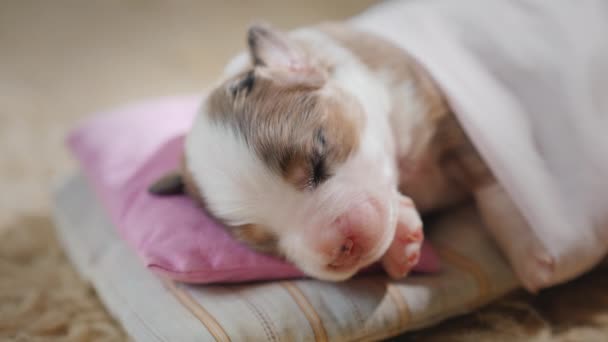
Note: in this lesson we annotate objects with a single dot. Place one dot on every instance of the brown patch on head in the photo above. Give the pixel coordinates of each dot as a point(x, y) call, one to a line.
point(297, 131)
point(257, 238)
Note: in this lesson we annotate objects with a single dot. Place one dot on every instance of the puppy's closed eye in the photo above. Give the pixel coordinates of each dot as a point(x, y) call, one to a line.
point(319, 172)
point(307, 170)
point(318, 162)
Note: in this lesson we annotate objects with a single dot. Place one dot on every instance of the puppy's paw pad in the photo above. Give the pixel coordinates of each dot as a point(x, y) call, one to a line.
point(401, 258)
point(404, 252)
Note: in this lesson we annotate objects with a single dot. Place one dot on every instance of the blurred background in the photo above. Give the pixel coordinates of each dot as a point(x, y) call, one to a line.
point(61, 60)
point(64, 59)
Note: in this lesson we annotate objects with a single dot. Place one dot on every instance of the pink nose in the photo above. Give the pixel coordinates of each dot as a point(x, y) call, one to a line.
point(348, 255)
point(349, 238)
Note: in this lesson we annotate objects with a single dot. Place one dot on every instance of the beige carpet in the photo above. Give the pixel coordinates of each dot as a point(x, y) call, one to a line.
point(62, 59)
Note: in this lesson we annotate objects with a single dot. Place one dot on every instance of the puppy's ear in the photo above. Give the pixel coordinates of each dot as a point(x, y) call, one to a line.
point(272, 48)
point(281, 58)
point(171, 183)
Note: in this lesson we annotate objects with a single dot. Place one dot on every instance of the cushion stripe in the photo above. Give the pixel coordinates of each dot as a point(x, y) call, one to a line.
point(403, 314)
point(309, 311)
point(465, 264)
point(403, 310)
point(212, 325)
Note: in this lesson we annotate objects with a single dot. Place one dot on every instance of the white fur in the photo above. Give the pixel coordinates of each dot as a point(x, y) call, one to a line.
point(412, 114)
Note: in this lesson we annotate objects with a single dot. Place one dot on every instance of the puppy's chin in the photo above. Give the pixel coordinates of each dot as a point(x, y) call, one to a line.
point(324, 272)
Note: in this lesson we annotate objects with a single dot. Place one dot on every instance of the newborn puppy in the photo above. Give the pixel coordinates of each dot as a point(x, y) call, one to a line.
point(312, 145)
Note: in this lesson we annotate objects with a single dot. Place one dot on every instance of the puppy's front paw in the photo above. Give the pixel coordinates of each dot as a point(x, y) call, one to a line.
point(404, 252)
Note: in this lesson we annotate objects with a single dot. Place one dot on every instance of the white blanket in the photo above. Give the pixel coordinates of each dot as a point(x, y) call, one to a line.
point(528, 81)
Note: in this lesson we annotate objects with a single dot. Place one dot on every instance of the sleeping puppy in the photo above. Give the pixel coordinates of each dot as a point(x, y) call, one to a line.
point(315, 146)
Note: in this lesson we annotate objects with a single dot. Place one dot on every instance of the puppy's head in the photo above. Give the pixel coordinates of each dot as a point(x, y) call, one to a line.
point(293, 163)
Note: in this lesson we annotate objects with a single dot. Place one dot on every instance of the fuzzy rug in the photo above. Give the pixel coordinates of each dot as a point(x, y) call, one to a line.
point(63, 59)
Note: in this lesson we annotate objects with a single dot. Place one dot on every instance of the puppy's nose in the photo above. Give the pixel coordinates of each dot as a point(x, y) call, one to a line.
point(347, 255)
point(350, 241)
point(347, 241)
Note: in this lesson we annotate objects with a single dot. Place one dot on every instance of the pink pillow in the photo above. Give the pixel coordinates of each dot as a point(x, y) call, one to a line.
point(122, 152)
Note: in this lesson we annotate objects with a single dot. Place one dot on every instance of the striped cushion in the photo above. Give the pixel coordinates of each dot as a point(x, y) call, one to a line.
point(153, 308)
